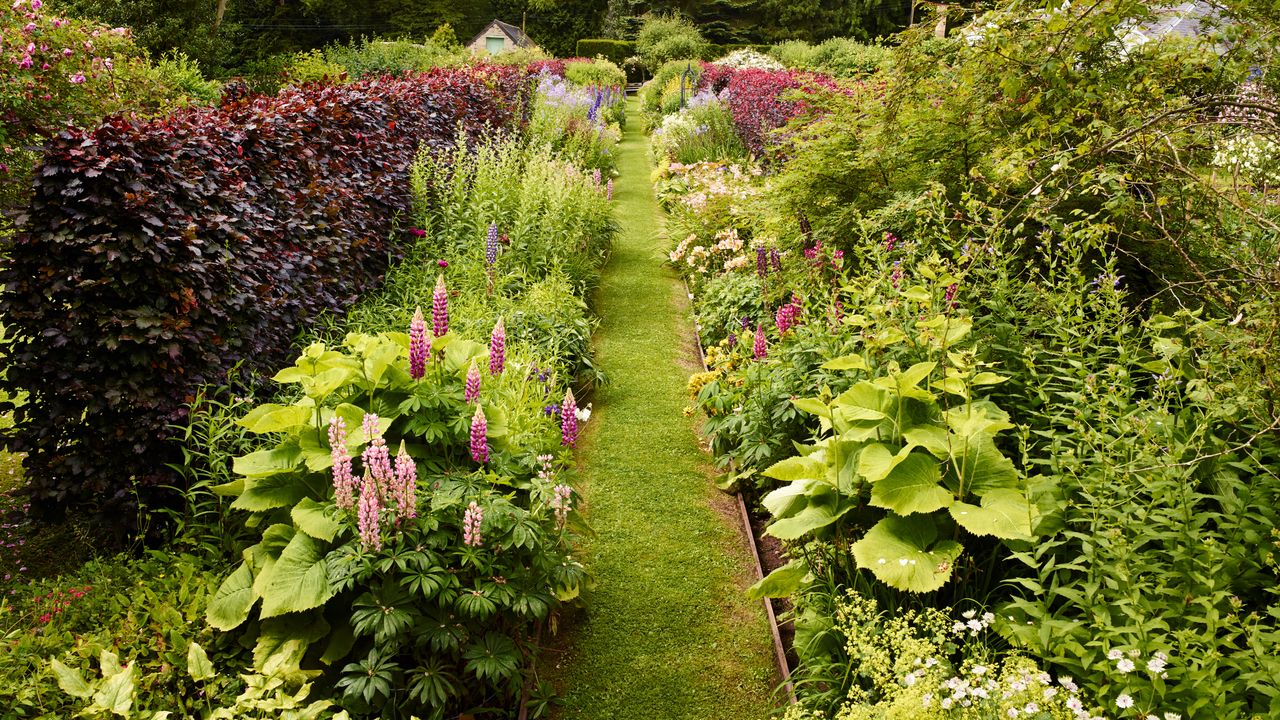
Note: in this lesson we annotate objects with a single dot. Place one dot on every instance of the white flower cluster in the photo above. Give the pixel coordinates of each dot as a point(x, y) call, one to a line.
point(747, 58)
point(1254, 157)
point(972, 624)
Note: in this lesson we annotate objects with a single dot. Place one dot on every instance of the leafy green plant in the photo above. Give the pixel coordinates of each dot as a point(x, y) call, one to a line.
point(426, 594)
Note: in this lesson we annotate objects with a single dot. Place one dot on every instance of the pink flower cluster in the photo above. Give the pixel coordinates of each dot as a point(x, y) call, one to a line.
point(419, 349)
point(760, 348)
point(382, 487)
point(472, 519)
point(471, 393)
point(569, 420)
point(479, 437)
point(440, 308)
point(788, 316)
point(562, 503)
point(498, 348)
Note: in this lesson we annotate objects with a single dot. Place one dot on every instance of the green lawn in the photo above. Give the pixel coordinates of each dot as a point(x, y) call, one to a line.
point(667, 633)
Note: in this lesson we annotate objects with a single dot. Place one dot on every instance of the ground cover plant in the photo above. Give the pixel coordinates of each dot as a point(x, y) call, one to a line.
point(1041, 330)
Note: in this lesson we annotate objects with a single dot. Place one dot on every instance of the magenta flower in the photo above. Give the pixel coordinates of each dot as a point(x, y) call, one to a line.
point(471, 392)
point(417, 232)
point(442, 263)
point(479, 437)
point(597, 177)
point(569, 420)
point(896, 277)
point(498, 348)
point(76, 79)
point(491, 246)
point(344, 484)
point(950, 297)
point(419, 348)
point(406, 485)
point(369, 517)
point(440, 308)
point(472, 519)
point(890, 241)
point(761, 346)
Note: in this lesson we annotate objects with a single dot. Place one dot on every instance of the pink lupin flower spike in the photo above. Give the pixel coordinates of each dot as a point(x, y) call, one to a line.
point(369, 518)
point(440, 308)
point(344, 485)
point(498, 348)
point(471, 392)
point(569, 420)
point(479, 437)
point(419, 347)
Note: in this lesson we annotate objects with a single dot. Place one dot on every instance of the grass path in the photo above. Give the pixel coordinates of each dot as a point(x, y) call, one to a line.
point(667, 633)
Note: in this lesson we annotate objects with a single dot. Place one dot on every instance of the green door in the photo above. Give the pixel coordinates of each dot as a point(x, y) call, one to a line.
point(495, 45)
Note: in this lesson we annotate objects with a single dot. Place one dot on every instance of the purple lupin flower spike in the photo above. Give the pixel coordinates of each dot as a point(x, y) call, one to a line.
point(419, 348)
point(761, 346)
point(369, 517)
point(471, 392)
point(471, 521)
point(406, 485)
point(608, 190)
point(762, 261)
point(950, 297)
point(782, 319)
point(344, 484)
point(491, 246)
point(498, 348)
point(597, 177)
point(440, 308)
point(569, 420)
point(775, 259)
point(479, 439)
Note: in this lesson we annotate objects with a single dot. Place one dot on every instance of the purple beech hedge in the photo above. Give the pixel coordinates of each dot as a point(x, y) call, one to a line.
point(158, 254)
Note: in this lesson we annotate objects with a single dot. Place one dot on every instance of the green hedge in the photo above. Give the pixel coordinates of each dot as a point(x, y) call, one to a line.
point(615, 51)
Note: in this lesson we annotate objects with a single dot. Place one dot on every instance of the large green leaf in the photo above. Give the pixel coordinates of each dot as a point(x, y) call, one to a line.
point(798, 467)
point(813, 406)
point(198, 665)
point(822, 506)
point(904, 553)
point(931, 438)
point(116, 692)
point(877, 460)
point(231, 603)
point(271, 418)
point(299, 579)
point(1004, 513)
point(459, 354)
point(320, 386)
point(783, 582)
point(846, 362)
point(311, 518)
point(981, 467)
point(265, 463)
point(70, 680)
point(268, 493)
point(913, 486)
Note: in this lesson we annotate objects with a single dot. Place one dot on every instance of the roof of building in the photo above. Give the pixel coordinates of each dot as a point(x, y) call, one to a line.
point(517, 35)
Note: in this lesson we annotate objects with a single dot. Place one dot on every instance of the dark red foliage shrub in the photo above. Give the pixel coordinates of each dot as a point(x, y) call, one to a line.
point(157, 255)
point(551, 67)
point(715, 77)
point(756, 99)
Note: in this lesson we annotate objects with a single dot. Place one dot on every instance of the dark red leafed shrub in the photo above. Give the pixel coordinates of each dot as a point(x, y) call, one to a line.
point(157, 255)
point(551, 67)
point(756, 99)
point(715, 77)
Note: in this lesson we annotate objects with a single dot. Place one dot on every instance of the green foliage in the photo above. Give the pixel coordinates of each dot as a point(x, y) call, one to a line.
point(702, 132)
point(615, 51)
point(313, 67)
point(841, 57)
point(121, 636)
point(664, 38)
point(312, 570)
point(595, 73)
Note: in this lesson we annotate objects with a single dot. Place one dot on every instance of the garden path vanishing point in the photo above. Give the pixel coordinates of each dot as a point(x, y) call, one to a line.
point(667, 633)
